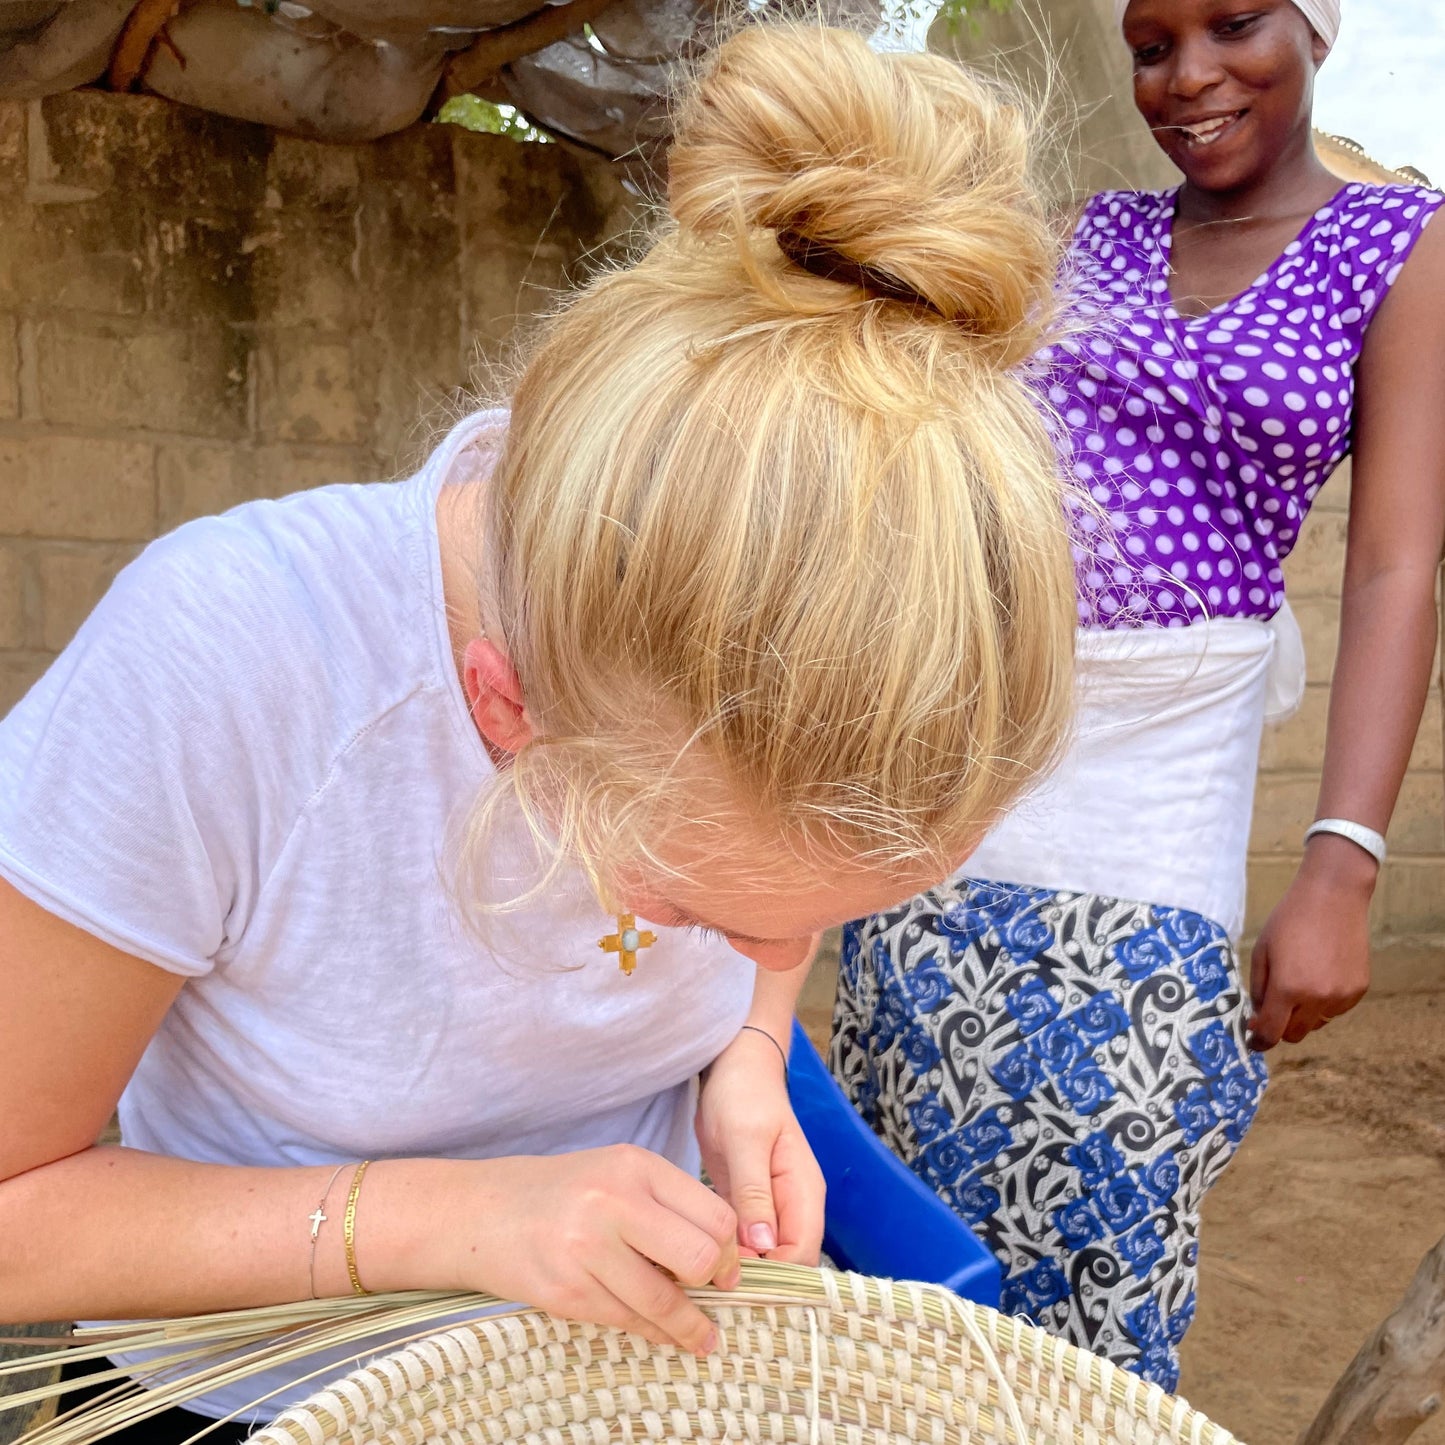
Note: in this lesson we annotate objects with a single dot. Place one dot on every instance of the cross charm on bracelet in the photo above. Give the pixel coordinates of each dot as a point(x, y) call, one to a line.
point(317, 1220)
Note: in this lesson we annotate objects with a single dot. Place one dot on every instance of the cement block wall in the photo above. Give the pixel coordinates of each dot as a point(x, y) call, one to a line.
point(1410, 901)
point(194, 312)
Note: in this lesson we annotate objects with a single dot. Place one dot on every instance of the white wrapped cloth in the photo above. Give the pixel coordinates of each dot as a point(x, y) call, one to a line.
point(1153, 800)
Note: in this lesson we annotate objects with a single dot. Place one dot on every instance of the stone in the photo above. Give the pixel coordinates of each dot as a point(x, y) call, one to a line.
point(1428, 754)
point(1414, 896)
point(9, 367)
point(1334, 496)
point(12, 149)
point(200, 480)
point(1299, 744)
point(1418, 825)
point(196, 479)
point(1284, 806)
point(178, 158)
point(1319, 625)
point(302, 175)
point(304, 269)
point(14, 571)
point(93, 372)
point(427, 346)
point(1268, 879)
point(19, 672)
point(310, 391)
point(74, 576)
point(505, 186)
point(1316, 566)
point(82, 257)
point(199, 266)
point(506, 291)
point(77, 488)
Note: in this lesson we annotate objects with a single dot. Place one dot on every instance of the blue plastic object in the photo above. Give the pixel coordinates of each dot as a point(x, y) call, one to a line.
point(882, 1219)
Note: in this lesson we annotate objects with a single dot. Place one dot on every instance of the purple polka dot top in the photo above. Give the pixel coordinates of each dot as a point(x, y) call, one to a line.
point(1204, 439)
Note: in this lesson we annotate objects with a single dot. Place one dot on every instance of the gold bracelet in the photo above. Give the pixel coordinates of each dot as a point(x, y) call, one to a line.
point(348, 1227)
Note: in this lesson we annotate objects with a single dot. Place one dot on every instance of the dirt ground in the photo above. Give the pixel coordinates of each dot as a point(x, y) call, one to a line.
point(1320, 1222)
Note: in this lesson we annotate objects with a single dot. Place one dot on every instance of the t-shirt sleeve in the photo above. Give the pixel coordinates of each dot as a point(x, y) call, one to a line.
point(134, 790)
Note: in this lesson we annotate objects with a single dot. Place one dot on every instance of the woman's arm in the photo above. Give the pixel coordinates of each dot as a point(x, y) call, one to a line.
point(1312, 959)
point(752, 1145)
point(89, 1232)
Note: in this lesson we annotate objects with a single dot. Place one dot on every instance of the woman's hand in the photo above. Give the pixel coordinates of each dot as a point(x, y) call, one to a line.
point(608, 1236)
point(1312, 960)
point(755, 1153)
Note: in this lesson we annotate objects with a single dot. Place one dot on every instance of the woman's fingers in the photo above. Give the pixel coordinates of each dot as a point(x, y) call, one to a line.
point(605, 1308)
point(749, 1172)
point(800, 1194)
point(657, 1300)
point(692, 1256)
point(706, 1254)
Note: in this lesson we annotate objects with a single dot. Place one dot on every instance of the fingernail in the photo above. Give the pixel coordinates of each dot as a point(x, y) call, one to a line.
point(761, 1236)
point(710, 1344)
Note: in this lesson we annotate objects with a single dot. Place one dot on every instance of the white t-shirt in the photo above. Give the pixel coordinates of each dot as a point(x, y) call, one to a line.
point(245, 769)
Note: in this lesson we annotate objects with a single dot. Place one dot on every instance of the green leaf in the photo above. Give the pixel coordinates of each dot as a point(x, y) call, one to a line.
point(471, 112)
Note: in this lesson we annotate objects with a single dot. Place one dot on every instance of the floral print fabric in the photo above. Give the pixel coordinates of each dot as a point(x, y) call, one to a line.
point(1069, 1073)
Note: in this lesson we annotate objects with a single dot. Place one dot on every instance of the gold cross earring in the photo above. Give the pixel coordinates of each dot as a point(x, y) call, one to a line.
point(627, 941)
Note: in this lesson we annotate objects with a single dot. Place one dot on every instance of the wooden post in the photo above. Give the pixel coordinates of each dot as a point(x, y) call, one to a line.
point(13, 1423)
point(1397, 1381)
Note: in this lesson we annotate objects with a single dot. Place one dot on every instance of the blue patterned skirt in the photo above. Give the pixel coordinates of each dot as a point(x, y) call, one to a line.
point(1069, 1072)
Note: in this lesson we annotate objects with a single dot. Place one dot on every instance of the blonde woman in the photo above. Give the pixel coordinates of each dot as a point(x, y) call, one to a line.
point(1064, 1046)
point(742, 622)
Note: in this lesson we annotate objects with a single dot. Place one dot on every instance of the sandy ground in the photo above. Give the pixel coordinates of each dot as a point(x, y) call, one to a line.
point(1313, 1234)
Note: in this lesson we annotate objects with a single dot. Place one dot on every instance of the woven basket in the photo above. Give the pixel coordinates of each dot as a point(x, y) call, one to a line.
point(817, 1358)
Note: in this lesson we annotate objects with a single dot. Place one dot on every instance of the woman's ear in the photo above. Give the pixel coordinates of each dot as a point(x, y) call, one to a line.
point(494, 697)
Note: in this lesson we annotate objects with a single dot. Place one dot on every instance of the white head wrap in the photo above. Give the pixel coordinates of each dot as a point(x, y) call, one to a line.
point(1323, 16)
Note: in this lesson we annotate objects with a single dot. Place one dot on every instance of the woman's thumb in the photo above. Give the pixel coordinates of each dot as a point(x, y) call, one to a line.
point(750, 1172)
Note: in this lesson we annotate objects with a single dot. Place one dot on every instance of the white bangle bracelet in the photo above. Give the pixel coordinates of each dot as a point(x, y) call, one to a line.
point(1372, 842)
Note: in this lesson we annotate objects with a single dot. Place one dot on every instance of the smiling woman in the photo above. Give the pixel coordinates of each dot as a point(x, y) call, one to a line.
point(1062, 1043)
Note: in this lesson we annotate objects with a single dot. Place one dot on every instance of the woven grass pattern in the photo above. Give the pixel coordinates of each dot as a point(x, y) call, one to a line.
point(815, 1358)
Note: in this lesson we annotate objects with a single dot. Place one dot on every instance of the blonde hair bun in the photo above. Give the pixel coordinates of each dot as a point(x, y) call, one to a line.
point(784, 530)
point(909, 165)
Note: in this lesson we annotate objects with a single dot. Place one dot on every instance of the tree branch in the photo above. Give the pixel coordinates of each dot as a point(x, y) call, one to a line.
point(493, 49)
point(1397, 1380)
point(133, 45)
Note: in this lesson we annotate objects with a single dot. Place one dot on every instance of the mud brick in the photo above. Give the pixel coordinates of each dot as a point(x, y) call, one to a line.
point(310, 391)
point(78, 488)
point(132, 376)
point(74, 576)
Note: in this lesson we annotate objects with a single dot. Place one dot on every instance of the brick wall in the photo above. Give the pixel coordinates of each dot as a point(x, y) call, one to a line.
point(1411, 899)
point(194, 312)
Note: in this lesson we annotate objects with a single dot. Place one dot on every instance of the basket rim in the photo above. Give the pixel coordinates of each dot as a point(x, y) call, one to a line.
point(765, 1286)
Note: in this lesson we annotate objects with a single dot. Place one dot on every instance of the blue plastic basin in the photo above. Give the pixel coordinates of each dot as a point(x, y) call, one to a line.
point(882, 1219)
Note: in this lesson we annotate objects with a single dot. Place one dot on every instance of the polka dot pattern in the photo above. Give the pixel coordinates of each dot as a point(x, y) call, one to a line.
point(1201, 442)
